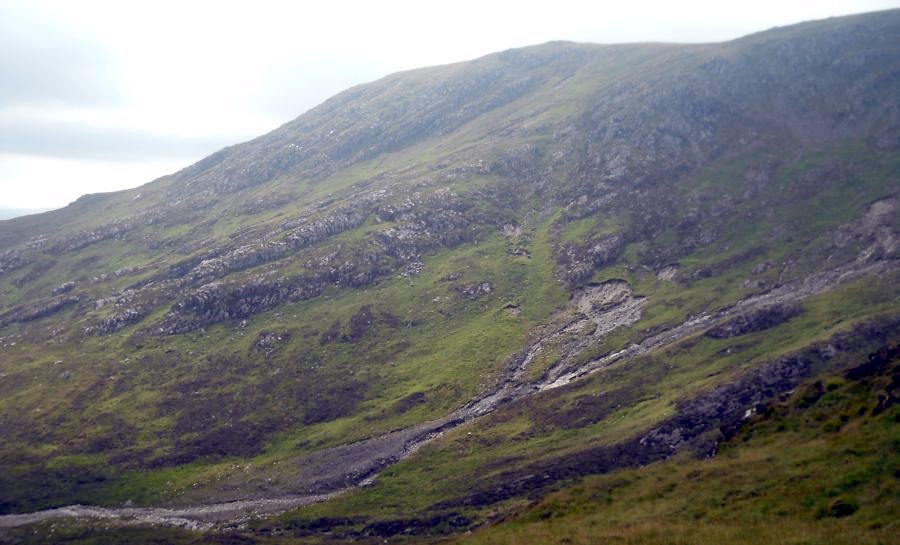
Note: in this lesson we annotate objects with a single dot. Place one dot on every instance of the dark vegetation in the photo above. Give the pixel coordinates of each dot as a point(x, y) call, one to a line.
point(778, 465)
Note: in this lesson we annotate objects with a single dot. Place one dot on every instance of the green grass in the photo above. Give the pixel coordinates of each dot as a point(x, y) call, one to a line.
point(454, 350)
point(774, 483)
point(777, 481)
point(119, 404)
point(549, 426)
point(449, 357)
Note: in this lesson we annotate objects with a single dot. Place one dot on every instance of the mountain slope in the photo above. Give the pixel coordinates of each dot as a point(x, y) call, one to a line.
point(569, 252)
point(776, 479)
point(815, 468)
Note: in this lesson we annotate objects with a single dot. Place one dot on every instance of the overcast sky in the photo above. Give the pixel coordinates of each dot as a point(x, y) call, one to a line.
point(104, 95)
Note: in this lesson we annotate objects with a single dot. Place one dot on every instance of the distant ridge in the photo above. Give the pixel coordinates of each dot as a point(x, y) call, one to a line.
point(10, 213)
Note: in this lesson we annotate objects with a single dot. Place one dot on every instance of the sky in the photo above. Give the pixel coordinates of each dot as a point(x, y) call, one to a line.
point(103, 95)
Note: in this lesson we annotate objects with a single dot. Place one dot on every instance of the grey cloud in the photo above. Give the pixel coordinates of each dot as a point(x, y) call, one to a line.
point(9, 213)
point(293, 88)
point(40, 64)
point(27, 136)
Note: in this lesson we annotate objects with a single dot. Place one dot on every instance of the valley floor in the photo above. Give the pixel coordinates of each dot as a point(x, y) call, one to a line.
point(819, 467)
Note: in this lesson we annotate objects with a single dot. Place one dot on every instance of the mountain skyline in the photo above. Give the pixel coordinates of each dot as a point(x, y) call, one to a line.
point(79, 118)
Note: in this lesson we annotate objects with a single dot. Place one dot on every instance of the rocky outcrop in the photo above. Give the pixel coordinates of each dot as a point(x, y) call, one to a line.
point(243, 257)
point(304, 233)
point(420, 223)
point(474, 291)
point(11, 260)
point(63, 288)
point(752, 322)
point(37, 311)
point(218, 301)
point(699, 425)
point(77, 241)
point(668, 273)
point(119, 320)
point(727, 407)
point(270, 342)
point(577, 262)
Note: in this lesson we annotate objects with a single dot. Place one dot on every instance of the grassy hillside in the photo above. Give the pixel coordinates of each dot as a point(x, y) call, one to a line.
point(819, 467)
point(506, 275)
point(816, 467)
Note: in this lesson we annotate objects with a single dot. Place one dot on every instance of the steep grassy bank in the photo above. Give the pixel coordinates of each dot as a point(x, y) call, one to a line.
point(819, 467)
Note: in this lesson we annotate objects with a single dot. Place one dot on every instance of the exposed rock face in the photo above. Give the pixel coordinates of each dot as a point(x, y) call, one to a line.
point(237, 259)
point(579, 261)
point(37, 311)
point(421, 223)
point(117, 321)
point(755, 321)
point(474, 291)
point(218, 301)
point(11, 260)
point(63, 288)
point(594, 300)
point(301, 234)
point(593, 313)
point(609, 306)
point(268, 342)
point(83, 239)
point(699, 424)
point(668, 273)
